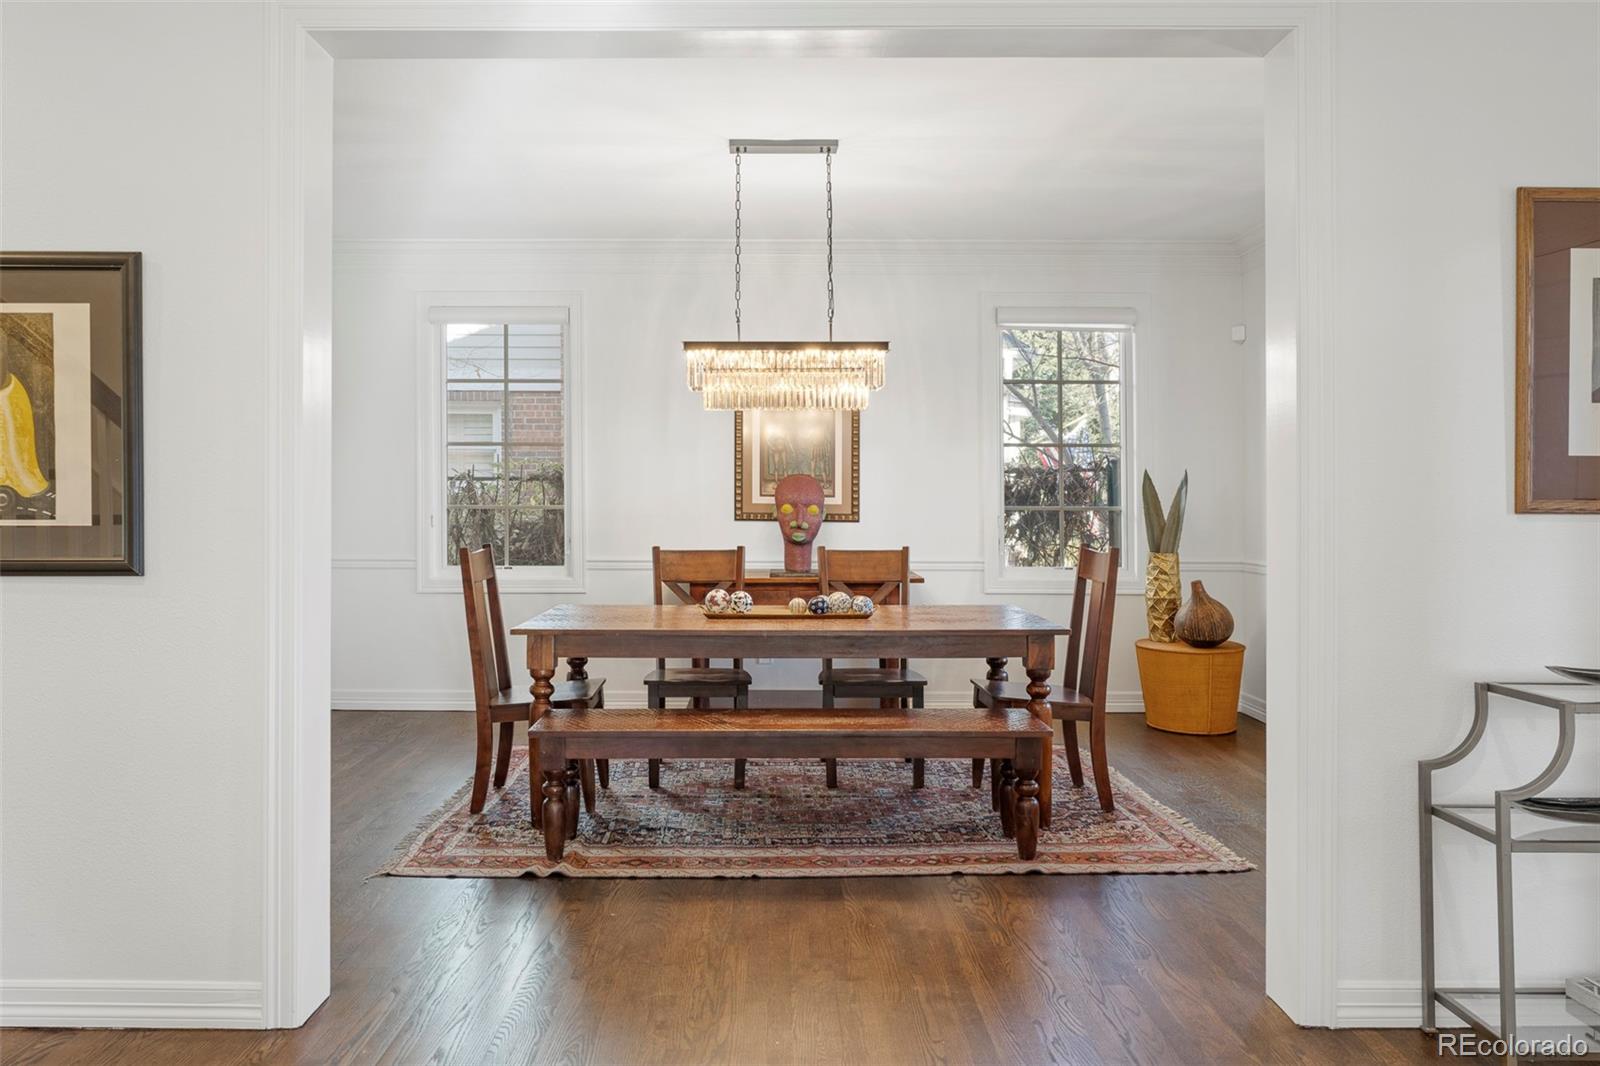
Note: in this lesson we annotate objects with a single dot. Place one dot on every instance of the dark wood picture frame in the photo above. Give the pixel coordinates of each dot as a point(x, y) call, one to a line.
point(1534, 425)
point(129, 403)
point(746, 476)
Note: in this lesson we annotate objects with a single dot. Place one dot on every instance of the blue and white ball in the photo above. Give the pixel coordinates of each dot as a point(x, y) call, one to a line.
point(717, 601)
point(741, 602)
point(817, 605)
point(838, 603)
point(862, 605)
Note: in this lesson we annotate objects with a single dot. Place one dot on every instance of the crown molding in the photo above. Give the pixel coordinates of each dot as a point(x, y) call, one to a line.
point(1252, 242)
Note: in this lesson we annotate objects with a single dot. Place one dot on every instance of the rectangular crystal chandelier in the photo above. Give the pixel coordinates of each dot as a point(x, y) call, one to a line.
point(753, 375)
point(744, 375)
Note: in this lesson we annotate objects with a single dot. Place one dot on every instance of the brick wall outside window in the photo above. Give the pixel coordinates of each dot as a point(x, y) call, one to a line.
point(536, 419)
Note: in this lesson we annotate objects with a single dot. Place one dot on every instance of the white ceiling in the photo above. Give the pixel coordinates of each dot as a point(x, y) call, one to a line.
point(1013, 149)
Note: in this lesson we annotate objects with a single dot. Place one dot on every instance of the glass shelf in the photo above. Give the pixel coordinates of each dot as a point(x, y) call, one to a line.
point(1566, 835)
point(1541, 1015)
point(1585, 697)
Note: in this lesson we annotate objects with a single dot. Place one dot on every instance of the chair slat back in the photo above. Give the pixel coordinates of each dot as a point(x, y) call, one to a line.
point(679, 571)
point(841, 571)
point(486, 635)
point(1094, 601)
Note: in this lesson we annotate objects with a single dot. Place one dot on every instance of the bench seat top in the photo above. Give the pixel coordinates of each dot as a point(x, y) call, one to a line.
point(931, 722)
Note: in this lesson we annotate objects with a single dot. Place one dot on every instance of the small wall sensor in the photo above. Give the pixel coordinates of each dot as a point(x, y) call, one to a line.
point(1238, 334)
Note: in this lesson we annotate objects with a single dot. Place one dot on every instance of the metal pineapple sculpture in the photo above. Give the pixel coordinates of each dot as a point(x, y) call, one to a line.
point(1163, 591)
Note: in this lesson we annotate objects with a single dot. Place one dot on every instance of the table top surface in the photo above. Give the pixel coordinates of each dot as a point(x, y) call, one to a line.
point(889, 619)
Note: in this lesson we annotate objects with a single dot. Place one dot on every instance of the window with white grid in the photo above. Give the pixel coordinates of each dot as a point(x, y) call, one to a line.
point(499, 465)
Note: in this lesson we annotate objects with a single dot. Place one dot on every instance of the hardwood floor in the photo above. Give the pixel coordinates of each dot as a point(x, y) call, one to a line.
point(1076, 969)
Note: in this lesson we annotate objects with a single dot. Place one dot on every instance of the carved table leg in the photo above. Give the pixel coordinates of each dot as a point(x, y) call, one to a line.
point(1025, 818)
point(542, 665)
point(1041, 659)
point(555, 815)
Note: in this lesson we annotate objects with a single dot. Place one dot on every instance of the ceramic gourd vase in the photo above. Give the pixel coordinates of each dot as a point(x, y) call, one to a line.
point(1202, 620)
point(1162, 595)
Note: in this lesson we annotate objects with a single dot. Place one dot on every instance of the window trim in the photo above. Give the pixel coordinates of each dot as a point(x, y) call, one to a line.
point(1056, 310)
point(433, 311)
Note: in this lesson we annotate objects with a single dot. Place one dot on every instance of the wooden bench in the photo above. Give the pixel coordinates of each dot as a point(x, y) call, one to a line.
point(564, 736)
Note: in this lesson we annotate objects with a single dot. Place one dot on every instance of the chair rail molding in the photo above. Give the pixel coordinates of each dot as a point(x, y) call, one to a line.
point(1133, 259)
point(1300, 906)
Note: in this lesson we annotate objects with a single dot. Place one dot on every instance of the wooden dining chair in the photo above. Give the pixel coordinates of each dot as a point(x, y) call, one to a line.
point(497, 702)
point(1094, 601)
point(688, 575)
point(887, 576)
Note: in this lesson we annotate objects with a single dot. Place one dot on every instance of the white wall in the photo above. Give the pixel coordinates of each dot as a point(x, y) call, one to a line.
point(1442, 111)
point(660, 467)
point(132, 710)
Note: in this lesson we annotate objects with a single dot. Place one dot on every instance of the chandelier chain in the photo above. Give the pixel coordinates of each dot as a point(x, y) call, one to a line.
point(737, 226)
point(828, 158)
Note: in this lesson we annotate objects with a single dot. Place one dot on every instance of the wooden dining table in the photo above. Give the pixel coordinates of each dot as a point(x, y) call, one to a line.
point(994, 633)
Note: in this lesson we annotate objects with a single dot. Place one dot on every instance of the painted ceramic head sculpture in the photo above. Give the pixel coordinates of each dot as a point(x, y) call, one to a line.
point(800, 516)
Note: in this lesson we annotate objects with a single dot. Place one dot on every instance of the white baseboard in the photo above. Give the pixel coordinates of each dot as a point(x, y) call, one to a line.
point(1253, 706)
point(1132, 702)
point(132, 1004)
point(403, 699)
point(1385, 1005)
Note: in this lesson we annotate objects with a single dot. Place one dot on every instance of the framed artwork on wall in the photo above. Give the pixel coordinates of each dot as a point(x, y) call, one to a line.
point(770, 445)
point(70, 426)
point(1558, 351)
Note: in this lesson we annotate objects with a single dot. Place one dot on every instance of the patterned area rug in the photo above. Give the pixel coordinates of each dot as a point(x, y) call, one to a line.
point(787, 823)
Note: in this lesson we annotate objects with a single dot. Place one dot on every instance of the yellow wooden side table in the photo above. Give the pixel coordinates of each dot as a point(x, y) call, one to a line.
point(1189, 689)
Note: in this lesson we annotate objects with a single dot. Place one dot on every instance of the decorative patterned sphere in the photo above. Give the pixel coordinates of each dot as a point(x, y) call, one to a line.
point(741, 602)
point(862, 605)
point(838, 603)
point(817, 605)
point(798, 605)
point(717, 601)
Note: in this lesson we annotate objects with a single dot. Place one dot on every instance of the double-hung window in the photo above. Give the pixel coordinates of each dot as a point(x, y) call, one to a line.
point(499, 465)
point(1058, 426)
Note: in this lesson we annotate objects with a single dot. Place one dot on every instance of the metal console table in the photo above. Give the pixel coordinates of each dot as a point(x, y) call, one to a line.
point(1506, 1012)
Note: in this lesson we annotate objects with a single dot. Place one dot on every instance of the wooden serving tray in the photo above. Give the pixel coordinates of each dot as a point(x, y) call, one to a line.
point(767, 610)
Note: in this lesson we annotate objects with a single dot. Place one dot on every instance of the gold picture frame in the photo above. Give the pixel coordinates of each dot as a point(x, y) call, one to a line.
point(1558, 351)
point(830, 452)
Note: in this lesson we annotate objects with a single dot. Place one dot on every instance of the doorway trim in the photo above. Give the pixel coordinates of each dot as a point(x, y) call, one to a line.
point(1302, 839)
